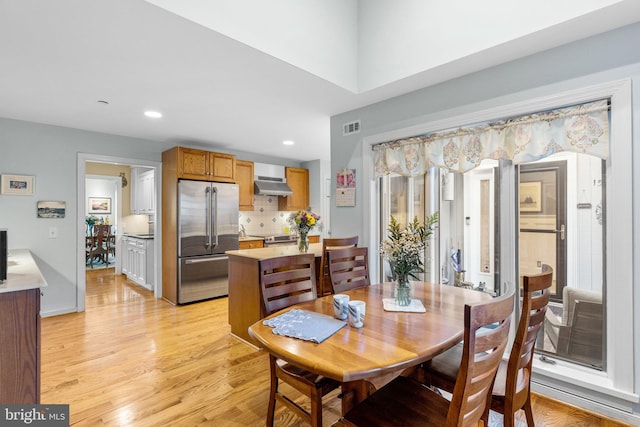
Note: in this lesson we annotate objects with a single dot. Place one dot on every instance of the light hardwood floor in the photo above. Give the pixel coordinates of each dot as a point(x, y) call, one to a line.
point(132, 360)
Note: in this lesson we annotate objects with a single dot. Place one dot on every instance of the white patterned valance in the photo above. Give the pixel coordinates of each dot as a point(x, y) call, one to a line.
point(582, 129)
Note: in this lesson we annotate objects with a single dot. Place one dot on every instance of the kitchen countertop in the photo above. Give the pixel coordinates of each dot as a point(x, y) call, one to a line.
point(22, 272)
point(275, 251)
point(139, 236)
point(249, 238)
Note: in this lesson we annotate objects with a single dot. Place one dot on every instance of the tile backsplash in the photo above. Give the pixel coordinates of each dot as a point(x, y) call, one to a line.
point(265, 217)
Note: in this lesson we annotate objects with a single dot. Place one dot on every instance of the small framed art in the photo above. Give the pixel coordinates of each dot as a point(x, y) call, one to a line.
point(99, 205)
point(18, 185)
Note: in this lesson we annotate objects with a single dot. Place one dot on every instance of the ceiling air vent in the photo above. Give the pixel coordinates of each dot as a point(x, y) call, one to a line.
point(351, 127)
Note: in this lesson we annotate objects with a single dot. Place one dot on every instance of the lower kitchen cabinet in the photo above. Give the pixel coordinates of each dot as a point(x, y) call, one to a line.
point(137, 260)
point(20, 347)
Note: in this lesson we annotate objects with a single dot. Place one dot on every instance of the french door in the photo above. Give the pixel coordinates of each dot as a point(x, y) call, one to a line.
point(543, 221)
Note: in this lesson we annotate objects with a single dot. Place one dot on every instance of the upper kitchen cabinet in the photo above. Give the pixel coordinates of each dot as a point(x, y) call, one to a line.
point(244, 178)
point(143, 193)
point(205, 165)
point(298, 180)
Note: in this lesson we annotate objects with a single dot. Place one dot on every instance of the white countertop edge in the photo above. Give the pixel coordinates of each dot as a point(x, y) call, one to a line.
point(275, 251)
point(22, 272)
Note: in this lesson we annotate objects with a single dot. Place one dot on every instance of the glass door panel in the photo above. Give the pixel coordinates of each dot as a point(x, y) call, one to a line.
point(403, 198)
point(561, 225)
point(542, 197)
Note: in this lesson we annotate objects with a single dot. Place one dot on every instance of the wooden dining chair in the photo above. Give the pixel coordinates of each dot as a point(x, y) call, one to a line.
point(102, 246)
point(348, 268)
point(285, 281)
point(329, 244)
point(511, 391)
point(407, 402)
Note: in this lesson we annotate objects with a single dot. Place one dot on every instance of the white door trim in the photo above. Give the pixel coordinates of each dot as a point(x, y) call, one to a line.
point(82, 159)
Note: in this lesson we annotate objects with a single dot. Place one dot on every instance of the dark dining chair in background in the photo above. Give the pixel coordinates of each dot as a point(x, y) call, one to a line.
point(329, 244)
point(348, 268)
point(285, 281)
point(512, 388)
point(407, 402)
point(99, 245)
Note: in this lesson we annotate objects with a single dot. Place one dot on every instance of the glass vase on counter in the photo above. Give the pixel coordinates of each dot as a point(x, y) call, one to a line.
point(303, 243)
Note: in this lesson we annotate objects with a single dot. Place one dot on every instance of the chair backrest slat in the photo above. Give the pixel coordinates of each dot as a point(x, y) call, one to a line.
point(286, 281)
point(328, 245)
point(348, 268)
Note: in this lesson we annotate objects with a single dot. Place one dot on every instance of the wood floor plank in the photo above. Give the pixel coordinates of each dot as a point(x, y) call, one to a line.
point(133, 360)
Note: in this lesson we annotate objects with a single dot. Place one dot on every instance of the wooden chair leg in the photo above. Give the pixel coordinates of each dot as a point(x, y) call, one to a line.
point(529, 411)
point(273, 390)
point(509, 414)
point(316, 408)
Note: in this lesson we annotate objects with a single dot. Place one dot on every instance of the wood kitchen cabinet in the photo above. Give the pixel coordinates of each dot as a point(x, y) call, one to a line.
point(244, 178)
point(298, 181)
point(314, 239)
point(143, 196)
point(205, 165)
point(251, 244)
point(20, 347)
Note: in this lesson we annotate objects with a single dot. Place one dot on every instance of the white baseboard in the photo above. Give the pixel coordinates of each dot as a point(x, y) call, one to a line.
point(58, 312)
point(589, 405)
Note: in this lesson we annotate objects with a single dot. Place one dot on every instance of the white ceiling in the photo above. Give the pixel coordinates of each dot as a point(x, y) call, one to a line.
point(310, 60)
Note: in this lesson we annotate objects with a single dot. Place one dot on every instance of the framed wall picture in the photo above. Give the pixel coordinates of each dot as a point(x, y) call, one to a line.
point(18, 185)
point(531, 196)
point(99, 205)
point(51, 209)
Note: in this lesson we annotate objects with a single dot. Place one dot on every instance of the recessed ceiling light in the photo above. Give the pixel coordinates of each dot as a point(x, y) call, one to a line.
point(153, 114)
point(288, 142)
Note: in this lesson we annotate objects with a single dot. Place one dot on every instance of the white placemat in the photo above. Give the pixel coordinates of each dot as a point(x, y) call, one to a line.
point(414, 307)
point(305, 325)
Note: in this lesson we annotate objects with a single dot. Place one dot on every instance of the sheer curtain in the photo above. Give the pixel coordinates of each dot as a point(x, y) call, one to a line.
point(583, 129)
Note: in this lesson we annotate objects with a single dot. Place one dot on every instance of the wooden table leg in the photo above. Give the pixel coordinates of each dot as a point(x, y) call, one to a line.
point(355, 392)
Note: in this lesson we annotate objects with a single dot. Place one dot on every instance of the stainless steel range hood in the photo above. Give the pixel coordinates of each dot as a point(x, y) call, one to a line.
point(269, 180)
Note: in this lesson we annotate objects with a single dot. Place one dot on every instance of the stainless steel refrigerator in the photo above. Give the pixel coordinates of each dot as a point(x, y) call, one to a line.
point(207, 227)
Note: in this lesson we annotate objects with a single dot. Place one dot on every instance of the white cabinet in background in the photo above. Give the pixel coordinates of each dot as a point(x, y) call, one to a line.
point(137, 260)
point(143, 196)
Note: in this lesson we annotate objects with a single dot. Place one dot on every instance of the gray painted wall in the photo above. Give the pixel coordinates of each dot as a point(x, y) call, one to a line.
point(542, 73)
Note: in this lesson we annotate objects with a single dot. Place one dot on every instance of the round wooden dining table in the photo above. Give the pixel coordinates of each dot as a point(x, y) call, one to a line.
point(388, 342)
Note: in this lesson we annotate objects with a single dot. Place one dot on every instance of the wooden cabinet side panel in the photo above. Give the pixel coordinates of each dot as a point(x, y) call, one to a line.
point(20, 347)
point(244, 178)
point(169, 226)
point(245, 301)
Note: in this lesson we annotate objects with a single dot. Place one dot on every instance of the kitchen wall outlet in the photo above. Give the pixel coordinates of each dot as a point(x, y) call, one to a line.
point(53, 232)
point(539, 263)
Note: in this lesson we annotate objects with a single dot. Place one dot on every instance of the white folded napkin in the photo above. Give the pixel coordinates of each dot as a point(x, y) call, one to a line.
point(415, 306)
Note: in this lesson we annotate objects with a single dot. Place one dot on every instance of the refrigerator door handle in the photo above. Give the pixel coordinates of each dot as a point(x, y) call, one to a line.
point(214, 217)
point(198, 261)
point(207, 219)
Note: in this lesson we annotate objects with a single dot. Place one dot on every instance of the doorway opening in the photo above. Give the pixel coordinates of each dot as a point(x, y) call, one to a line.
point(82, 210)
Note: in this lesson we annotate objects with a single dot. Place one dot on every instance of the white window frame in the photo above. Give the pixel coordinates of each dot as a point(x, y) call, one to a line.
point(613, 388)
